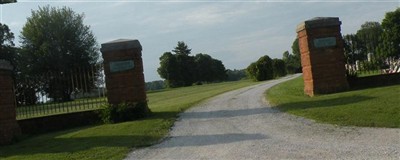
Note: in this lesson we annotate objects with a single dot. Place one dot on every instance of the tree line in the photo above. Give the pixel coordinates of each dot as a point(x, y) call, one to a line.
point(181, 69)
point(56, 40)
point(266, 68)
point(382, 40)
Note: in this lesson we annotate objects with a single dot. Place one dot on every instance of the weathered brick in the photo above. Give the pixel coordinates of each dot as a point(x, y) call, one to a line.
point(8, 123)
point(323, 68)
point(125, 86)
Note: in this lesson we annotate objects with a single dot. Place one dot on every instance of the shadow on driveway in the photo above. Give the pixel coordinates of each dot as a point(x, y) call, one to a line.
point(205, 140)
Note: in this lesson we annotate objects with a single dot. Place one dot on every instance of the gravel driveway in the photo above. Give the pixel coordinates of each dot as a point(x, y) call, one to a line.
point(240, 125)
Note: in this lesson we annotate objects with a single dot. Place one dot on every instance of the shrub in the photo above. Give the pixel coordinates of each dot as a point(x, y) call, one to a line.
point(261, 70)
point(123, 112)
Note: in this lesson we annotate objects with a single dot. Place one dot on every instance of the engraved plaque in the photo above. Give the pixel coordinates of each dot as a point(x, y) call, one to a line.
point(325, 42)
point(118, 66)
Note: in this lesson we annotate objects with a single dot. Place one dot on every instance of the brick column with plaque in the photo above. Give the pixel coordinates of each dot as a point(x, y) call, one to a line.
point(322, 55)
point(123, 68)
point(9, 127)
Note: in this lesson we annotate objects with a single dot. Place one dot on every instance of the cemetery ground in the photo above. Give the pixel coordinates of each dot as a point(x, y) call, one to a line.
point(377, 107)
point(372, 107)
point(114, 141)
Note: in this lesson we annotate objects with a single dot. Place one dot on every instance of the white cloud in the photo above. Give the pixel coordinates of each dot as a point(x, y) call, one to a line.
point(212, 15)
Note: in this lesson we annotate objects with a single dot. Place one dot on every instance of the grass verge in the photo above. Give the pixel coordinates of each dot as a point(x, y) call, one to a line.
point(373, 107)
point(114, 141)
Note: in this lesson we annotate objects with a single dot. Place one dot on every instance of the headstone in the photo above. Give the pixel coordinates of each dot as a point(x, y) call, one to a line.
point(369, 57)
point(9, 127)
point(357, 65)
point(322, 56)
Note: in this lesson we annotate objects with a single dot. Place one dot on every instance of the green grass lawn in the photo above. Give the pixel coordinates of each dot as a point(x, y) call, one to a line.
point(373, 107)
point(368, 73)
point(114, 141)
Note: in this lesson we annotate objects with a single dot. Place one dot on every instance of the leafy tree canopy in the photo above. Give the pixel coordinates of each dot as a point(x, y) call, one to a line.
point(262, 69)
point(292, 61)
point(7, 50)
point(55, 39)
point(370, 34)
point(390, 45)
point(279, 67)
point(181, 69)
point(354, 48)
point(209, 69)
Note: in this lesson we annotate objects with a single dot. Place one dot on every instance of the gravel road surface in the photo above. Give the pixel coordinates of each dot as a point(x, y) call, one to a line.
point(241, 125)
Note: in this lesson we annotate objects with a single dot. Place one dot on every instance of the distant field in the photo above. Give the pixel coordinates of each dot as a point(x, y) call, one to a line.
point(374, 107)
point(114, 141)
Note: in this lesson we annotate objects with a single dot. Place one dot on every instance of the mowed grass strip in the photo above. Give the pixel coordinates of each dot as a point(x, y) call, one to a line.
point(114, 141)
point(373, 107)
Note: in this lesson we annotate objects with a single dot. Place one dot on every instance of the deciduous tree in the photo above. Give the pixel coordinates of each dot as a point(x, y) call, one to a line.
point(7, 47)
point(262, 69)
point(370, 34)
point(209, 69)
point(354, 48)
point(279, 67)
point(181, 69)
point(56, 40)
point(390, 44)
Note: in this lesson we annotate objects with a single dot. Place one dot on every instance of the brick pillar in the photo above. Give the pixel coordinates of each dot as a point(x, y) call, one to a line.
point(9, 127)
point(322, 56)
point(123, 67)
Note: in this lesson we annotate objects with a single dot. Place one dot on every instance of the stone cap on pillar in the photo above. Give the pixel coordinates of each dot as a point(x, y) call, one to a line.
point(120, 44)
point(5, 65)
point(318, 22)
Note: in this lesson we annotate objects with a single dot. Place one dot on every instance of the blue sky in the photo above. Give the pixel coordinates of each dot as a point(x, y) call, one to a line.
point(236, 32)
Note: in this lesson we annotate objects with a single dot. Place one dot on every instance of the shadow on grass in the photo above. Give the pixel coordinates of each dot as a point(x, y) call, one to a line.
point(72, 144)
point(323, 103)
point(77, 144)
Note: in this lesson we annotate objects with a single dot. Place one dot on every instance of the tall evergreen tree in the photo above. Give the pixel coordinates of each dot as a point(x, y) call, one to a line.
point(182, 49)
